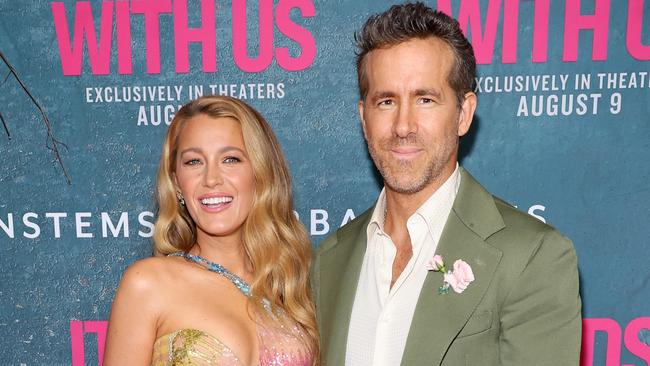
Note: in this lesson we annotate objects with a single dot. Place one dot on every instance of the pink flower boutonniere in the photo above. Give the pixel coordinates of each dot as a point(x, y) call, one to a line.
point(458, 279)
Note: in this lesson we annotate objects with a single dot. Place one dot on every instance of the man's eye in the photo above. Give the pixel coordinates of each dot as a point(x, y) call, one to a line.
point(386, 102)
point(426, 100)
point(231, 160)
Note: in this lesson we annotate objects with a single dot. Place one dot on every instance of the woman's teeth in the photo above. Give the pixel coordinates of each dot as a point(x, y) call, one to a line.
point(216, 200)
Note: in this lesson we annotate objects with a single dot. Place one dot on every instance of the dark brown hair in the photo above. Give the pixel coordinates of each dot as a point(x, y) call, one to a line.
point(404, 22)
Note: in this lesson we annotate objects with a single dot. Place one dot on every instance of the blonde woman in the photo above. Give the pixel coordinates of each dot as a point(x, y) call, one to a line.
point(230, 285)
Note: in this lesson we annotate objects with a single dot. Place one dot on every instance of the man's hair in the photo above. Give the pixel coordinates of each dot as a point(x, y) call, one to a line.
point(404, 22)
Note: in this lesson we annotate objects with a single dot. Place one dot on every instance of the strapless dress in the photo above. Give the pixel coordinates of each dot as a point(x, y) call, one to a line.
point(281, 341)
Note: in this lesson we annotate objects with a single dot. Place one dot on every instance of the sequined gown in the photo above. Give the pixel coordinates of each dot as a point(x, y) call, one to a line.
point(277, 346)
point(281, 343)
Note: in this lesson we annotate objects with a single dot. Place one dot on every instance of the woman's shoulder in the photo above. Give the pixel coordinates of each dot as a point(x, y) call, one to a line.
point(151, 274)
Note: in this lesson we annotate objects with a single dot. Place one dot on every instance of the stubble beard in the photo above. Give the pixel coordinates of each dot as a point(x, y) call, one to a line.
point(393, 169)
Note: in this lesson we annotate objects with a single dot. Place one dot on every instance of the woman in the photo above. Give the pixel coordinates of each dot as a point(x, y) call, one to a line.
point(231, 283)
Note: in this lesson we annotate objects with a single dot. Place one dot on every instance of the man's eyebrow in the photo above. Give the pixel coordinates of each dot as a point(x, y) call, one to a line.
point(427, 91)
point(382, 94)
point(417, 92)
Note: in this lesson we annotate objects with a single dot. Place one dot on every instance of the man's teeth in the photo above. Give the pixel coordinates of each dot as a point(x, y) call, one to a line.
point(216, 200)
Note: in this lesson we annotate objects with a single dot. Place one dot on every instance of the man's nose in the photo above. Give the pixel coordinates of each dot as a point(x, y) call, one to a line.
point(405, 123)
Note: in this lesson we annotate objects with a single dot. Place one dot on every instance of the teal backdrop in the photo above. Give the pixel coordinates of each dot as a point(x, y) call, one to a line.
point(562, 132)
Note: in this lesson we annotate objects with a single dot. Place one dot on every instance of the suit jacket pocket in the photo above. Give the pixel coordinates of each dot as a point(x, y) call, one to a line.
point(477, 323)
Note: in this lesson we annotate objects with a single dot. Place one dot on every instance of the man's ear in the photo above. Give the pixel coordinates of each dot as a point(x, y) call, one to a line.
point(466, 115)
point(361, 107)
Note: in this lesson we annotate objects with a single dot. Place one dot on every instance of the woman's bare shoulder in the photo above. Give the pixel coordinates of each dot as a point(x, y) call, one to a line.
point(151, 274)
point(138, 309)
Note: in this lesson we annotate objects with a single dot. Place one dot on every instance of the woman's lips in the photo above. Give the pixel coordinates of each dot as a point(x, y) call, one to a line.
point(215, 203)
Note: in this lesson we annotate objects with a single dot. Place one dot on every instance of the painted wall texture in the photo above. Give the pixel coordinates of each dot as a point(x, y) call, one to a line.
point(562, 132)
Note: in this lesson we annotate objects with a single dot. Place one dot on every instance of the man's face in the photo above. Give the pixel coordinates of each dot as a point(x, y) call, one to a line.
point(410, 117)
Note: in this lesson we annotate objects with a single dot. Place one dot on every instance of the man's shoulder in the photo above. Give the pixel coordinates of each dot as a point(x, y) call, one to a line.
point(524, 233)
point(513, 220)
point(488, 215)
point(352, 228)
point(516, 219)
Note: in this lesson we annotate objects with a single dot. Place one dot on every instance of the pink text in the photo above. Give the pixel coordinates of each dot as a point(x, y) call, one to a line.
point(615, 338)
point(78, 329)
point(117, 15)
point(483, 33)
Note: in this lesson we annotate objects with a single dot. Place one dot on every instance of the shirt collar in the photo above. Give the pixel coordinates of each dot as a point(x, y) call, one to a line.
point(430, 211)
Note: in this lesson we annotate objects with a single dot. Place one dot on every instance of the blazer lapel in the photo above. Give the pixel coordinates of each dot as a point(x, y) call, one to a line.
point(439, 318)
point(340, 268)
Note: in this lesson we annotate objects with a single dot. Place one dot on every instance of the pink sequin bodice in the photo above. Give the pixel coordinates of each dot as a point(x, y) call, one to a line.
point(279, 345)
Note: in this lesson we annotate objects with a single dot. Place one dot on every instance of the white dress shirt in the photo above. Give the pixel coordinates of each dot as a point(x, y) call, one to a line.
point(381, 315)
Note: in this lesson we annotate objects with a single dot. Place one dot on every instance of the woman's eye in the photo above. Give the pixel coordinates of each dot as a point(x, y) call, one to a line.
point(192, 162)
point(231, 160)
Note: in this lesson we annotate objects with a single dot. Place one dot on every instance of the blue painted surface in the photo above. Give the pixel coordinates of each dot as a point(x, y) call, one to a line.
point(590, 172)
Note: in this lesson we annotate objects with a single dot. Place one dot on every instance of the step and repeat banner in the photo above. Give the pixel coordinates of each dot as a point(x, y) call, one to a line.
point(88, 89)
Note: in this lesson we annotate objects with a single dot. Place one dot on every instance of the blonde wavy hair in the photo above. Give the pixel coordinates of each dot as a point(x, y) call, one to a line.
point(274, 241)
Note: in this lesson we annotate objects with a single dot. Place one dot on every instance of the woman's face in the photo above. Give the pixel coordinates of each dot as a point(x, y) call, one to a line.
point(214, 175)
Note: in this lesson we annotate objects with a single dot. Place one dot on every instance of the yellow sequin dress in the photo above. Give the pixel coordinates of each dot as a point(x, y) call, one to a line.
point(279, 345)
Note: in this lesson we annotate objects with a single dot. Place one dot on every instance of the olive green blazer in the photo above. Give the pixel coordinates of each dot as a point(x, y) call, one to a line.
point(522, 309)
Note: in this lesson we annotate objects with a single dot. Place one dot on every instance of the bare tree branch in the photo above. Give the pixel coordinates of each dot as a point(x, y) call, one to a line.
point(5, 126)
point(46, 121)
point(6, 77)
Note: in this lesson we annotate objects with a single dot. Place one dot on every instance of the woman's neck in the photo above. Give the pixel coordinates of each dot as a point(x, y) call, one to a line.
point(228, 252)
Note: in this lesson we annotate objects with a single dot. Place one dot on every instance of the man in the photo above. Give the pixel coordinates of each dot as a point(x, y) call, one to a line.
point(507, 292)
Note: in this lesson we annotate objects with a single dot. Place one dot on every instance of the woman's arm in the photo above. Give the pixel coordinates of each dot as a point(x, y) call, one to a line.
point(134, 316)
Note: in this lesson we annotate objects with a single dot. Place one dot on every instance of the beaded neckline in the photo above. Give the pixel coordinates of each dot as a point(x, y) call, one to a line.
point(217, 268)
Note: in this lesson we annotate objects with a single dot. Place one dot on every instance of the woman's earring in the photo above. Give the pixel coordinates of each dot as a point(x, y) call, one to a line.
point(181, 200)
